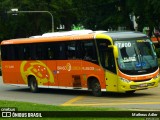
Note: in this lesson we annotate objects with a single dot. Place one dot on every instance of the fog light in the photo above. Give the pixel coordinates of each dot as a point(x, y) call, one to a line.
point(151, 84)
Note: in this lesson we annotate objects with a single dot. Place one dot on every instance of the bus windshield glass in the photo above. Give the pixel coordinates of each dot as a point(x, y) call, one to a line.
point(136, 56)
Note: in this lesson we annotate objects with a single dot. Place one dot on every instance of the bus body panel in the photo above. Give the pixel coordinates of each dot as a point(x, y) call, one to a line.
point(63, 73)
point(111, 81)
point(10, 71)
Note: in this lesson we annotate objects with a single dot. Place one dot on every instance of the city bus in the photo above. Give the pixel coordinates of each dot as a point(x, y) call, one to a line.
point(96, 61)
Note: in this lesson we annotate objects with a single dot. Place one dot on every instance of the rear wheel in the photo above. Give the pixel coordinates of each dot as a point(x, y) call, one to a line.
point(96, 88)
point(33, 85)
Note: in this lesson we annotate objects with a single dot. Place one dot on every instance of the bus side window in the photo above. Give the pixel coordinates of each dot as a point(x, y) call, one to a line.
point(71, 50)
point(106, 55)
point(62, 51)
point(19, 55)
point(26, 52)
point(40, 52)
point(79, 50)
point(8, 52)
point(50, 53)
point(11, 55)
point(4, 50)
point(33, 54)
point(110, 63)
point(89, 51)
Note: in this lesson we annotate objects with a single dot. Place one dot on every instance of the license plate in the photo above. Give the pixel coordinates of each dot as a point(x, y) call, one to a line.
point(143, 85)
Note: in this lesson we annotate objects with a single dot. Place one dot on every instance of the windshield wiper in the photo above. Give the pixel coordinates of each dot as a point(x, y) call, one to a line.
point(140, 58)
point(143, 58)
point(137, 55)
point(147, 62)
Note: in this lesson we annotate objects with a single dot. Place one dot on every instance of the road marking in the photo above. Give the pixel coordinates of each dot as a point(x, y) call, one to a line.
point(71, 101)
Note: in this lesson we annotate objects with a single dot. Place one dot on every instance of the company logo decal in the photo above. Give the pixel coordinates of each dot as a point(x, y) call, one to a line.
point(37, 68)
point(67, 67)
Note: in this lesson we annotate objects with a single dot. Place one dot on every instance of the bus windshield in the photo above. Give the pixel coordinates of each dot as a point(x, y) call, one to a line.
point(136, 56)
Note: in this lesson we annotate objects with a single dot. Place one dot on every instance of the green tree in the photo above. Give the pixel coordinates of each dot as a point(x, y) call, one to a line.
point(64, 13)
point(148, 12)
point(29, 24)
point(95, 15)
point(102, 14)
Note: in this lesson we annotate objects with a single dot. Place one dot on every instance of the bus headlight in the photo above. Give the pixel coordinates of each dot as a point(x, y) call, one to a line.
point(125, 80)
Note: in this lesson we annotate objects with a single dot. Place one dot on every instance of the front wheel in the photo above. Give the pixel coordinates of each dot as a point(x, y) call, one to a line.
point(33, 85)
point(96, 88)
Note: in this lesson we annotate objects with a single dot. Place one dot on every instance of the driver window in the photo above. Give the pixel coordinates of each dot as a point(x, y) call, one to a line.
point(106, 55)
point(109, 61)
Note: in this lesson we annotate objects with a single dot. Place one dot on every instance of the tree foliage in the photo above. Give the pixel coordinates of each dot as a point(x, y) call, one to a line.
point(92, 14)
point(148, 12)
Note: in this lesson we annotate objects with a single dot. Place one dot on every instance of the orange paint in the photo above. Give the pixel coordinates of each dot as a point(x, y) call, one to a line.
point(138, 77)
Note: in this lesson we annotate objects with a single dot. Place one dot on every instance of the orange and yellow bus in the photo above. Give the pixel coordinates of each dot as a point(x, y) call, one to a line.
point(83, 60)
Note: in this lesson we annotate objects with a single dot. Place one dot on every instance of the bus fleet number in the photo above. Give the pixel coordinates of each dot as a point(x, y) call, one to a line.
point(121, 45)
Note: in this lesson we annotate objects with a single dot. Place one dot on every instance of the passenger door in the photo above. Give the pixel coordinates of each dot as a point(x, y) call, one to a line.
point(111, 74)
point(107, 61)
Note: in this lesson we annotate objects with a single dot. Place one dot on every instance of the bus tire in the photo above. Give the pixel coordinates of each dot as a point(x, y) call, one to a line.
point(33, 85)
point(96, 88)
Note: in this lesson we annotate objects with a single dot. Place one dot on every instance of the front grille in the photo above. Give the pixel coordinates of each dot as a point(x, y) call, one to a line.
point(141, 80)
point(141, 86)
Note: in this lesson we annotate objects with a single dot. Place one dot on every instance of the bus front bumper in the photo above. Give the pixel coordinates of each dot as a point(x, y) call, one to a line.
point(126, 85)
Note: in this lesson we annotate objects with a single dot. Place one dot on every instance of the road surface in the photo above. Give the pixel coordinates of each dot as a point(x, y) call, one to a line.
point(141, 100)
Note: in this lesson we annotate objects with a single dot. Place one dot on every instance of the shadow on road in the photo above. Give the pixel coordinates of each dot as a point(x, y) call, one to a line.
point(83, 93)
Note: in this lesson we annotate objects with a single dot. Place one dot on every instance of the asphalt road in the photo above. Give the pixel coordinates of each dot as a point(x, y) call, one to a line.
point(141, 100)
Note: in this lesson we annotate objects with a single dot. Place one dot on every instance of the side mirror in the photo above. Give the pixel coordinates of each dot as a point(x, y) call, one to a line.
point(115, 50)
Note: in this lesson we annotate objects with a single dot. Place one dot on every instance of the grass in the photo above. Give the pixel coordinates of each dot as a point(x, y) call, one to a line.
point(26, 106)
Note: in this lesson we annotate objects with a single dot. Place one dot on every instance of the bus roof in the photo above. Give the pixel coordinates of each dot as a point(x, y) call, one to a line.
point(74, 35)
point(56, 36)
point(125, 35)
